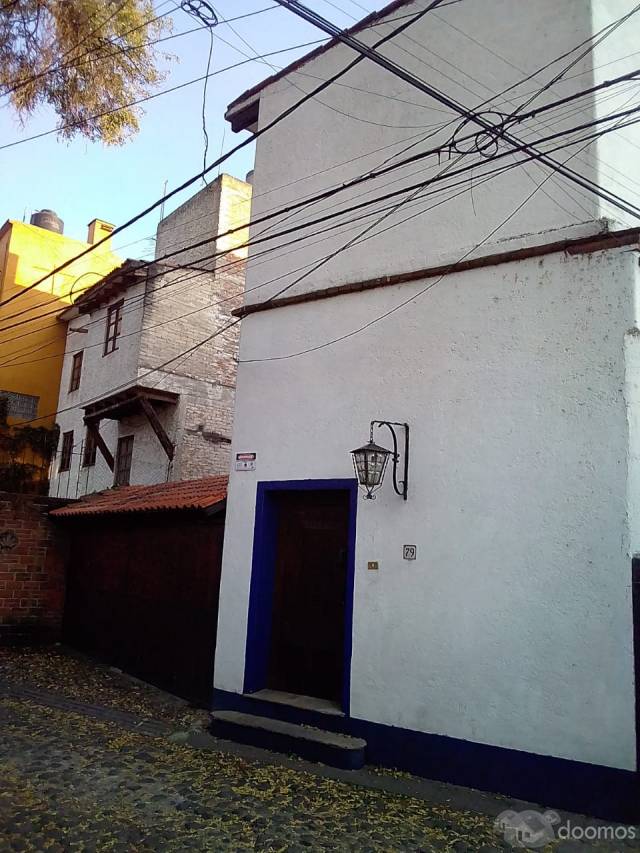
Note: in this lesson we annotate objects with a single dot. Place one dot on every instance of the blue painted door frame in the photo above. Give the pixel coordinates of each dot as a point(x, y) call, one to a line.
point(262, 579)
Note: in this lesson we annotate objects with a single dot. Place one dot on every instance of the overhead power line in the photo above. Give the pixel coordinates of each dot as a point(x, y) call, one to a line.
point(495, 133)
point(428, 287)
point(212, 164)
point(152, 97)
point(327, 194)
point(415, 189)
point(483, 179)
point(220, 331)
point(260, 132)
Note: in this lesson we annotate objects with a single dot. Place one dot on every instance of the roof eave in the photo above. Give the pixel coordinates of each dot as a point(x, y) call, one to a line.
point(251, 97)
point(243, 115)
point(120, 278)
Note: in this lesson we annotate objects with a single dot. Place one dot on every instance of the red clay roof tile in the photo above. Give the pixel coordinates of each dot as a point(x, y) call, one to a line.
point(200, 494)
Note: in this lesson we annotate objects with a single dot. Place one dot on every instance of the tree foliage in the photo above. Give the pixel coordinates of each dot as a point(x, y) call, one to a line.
point(87, 59)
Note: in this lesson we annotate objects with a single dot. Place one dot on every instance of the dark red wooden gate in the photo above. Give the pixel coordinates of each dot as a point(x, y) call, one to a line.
point(142, 595)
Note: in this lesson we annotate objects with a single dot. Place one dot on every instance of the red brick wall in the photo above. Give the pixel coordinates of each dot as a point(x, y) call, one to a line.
point(32, 569)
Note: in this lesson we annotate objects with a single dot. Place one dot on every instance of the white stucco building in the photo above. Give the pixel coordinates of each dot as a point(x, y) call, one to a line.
point(499, 320)
point(147, 385)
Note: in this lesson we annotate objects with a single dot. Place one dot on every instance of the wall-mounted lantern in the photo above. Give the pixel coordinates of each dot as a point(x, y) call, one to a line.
point(370, 461)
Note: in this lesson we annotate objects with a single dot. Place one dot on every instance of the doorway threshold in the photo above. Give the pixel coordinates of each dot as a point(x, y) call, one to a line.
point(295, 700)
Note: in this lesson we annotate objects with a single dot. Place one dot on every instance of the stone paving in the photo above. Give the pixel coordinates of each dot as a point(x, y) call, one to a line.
point(72, 779)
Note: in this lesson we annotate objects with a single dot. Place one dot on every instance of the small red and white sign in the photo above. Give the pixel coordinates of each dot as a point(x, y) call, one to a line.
point(246, 461)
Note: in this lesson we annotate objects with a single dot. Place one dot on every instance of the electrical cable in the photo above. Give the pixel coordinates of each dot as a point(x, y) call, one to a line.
point(412, 298)
point(225, 328)
point(493, 134)
point(206, 14)
point(419, 188)
point(355, 207)
point(151, 97)
point(76, 63)
point(260, 132)
point(516, 84)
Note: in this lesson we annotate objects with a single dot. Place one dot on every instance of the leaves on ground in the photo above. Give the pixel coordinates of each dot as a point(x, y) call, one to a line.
point(70, 674)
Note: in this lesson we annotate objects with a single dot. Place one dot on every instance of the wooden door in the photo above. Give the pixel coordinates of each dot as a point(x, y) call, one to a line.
point(142, 594)
point(308, 615)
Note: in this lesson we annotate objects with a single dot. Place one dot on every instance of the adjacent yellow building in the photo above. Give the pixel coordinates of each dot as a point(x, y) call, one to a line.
point(32, 338)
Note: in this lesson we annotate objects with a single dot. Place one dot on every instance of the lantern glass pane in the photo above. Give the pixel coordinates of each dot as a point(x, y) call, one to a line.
point(370, 462)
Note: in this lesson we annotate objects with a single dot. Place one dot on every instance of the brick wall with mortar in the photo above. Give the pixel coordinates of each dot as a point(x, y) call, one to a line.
point(175, 319)
point(206, 377)
point(222, 205)
point(162, 322)
point(33, 553)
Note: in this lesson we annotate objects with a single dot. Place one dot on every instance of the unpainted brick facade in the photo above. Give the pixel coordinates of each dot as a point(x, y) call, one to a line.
point(173, 339)
point(33, 553)
point(206, 377)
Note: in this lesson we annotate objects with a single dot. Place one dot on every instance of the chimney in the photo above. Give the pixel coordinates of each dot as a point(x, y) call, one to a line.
point(98, 230)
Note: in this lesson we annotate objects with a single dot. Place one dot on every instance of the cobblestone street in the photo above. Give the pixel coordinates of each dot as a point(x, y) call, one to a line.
point(74, 782)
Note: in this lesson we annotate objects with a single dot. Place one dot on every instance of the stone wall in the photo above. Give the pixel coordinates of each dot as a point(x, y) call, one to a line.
point(32, 569)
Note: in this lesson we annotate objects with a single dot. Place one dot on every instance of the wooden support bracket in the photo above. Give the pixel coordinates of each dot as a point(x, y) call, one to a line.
point(156, 426)
point(94, 429)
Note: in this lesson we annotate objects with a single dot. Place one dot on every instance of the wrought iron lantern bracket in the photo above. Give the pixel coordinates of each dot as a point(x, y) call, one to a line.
point(400, 486)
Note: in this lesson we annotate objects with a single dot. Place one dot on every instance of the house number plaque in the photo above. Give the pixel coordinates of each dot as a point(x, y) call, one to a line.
point(409, 552)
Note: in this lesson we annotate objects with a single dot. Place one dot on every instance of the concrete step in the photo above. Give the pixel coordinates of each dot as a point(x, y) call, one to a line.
point(336, 750)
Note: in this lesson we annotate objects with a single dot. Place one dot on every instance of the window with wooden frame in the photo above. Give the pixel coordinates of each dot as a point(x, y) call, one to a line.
point(114, 327)
point(67, 451)
point(76, 371)
point(89, 454)
point(124, 454)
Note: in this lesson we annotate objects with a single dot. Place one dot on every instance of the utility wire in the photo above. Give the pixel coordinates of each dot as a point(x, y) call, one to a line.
point(350, 222)
point(208, 17)
point(226, 327)
point(349, 209)
point(494, 133)
point(413, 297)
point(509, 87)
point(260, 132)
point(152, 96)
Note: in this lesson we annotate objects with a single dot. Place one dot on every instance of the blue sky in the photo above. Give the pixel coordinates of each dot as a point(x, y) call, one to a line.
point(81, 180)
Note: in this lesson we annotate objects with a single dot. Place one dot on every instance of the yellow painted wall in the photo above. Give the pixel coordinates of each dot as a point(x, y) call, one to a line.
point(235, 210)
point(31, 353)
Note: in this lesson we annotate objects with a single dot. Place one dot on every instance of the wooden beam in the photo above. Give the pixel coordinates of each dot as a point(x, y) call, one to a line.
point(157, 427)
point(94, 429)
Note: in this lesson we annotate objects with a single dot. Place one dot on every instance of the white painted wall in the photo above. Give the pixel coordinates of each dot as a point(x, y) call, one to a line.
point(513, 627)
point(101, 375)
point(472, 52)
point(618, 162)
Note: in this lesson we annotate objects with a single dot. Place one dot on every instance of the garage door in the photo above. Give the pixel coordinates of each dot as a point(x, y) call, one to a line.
point(142, 595)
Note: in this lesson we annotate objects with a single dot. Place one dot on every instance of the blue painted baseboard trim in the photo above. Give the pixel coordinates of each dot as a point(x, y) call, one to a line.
point(590, 789)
